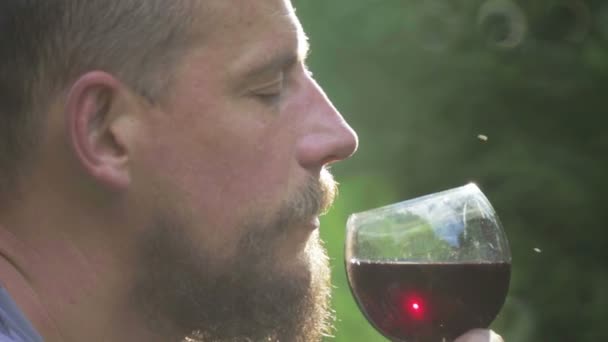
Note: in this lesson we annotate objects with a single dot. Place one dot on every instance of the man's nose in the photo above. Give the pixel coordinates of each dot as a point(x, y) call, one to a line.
point(328, 136)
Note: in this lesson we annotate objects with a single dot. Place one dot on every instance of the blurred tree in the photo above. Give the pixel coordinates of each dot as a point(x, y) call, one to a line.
point(420, 80)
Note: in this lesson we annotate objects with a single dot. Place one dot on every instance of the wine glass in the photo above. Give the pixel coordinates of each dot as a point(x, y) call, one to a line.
point(431, 268)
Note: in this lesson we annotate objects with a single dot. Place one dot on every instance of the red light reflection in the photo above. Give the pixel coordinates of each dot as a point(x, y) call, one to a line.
point(413, 306)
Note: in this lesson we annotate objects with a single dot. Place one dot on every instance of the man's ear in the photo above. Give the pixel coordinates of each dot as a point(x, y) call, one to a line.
point(97, 105)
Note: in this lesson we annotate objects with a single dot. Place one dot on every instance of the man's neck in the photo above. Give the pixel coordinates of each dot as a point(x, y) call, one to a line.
point(67, 294)
point(14, 279)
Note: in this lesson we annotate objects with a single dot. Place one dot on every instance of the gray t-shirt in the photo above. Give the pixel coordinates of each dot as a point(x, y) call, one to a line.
point(14, 327)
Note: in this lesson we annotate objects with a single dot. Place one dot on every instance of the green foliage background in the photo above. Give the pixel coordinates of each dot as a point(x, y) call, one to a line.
point(420, 80)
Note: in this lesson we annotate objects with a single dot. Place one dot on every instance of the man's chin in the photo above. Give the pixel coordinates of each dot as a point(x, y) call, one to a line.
point(275, 286)
point(258, 296)
point(294, 247)
point(282, 303)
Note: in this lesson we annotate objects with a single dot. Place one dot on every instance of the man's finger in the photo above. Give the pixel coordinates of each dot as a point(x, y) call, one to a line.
point(480, 335)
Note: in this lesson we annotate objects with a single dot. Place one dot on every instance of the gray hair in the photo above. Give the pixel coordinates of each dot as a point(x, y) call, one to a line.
point(47, 44)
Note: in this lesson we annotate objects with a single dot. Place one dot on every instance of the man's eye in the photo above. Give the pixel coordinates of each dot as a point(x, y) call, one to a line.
point(271, 92)
point(270, 97)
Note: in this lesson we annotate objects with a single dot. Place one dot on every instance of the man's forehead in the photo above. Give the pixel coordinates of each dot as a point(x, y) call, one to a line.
point(259, 33)
point(232, 14)
point(282, 14)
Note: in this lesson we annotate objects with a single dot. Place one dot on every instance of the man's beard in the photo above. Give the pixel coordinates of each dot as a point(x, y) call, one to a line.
point(180, 291)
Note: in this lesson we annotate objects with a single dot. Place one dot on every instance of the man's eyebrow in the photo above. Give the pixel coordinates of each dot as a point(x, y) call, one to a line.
point(303, 46)
point(283, 60)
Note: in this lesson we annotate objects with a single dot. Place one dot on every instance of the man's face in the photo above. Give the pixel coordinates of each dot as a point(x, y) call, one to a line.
point(231, 172)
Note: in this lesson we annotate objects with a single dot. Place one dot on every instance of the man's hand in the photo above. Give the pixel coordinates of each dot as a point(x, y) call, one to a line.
point(480, 335)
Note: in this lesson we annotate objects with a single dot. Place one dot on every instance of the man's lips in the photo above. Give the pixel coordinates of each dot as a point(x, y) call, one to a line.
point(295, 240)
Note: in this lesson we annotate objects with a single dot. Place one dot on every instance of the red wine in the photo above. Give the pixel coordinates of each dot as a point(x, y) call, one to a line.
point(430, 301)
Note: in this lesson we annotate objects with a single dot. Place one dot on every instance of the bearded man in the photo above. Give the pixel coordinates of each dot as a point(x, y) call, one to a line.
point(162, 168)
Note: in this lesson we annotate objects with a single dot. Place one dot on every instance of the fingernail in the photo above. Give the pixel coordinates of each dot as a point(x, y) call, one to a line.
point(494, 337)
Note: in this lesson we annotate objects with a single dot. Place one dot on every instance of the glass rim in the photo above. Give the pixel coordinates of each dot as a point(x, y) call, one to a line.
point(470, 187)
point(362, 219)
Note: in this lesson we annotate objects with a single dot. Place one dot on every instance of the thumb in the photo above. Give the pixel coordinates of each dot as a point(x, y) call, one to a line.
point(480, 335)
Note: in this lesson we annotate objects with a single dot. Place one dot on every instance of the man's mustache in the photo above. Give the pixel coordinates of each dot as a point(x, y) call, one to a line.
point(314, 198)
